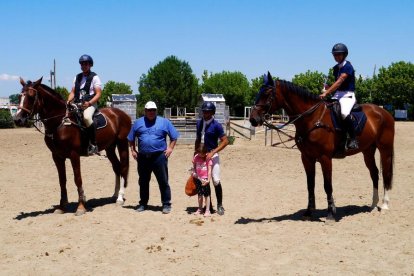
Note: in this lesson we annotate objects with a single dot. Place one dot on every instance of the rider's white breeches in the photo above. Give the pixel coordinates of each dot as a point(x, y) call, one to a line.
point(346, 100)
point(87, 115)
point(215, 171)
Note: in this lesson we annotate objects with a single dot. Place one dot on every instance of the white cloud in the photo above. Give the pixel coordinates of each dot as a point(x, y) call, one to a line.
point(7, 77)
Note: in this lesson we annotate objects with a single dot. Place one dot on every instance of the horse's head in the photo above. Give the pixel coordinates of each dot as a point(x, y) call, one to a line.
point(265, 103)
point(28, 101)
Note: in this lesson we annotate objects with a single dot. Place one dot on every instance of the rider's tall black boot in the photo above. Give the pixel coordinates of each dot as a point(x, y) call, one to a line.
point(352, 143)
point(92, 149)
point(219, 195)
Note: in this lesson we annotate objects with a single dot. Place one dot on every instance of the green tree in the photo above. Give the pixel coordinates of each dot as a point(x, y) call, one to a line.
point(233, 85)
point(255, 85)
point(6, 120)
point(364, 90)
point(62, 91)
point(170, 83)
point(112, 87)
point(14, 98)
point(313, 81)
point(395, 84)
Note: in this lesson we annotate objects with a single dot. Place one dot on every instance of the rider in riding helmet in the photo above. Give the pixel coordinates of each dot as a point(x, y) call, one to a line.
point(87, 91)
point(344, 89)
point(209, 131)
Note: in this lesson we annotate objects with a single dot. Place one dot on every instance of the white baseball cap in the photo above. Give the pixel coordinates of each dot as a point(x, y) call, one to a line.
point(150, 105)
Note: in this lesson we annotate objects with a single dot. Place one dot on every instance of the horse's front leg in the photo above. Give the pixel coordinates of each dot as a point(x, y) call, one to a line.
point(60, 166)
point(326, 164)
point(309, 165)
point(75, 160)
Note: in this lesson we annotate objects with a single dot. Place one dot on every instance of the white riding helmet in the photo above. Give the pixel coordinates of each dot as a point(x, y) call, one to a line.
point(150, 105)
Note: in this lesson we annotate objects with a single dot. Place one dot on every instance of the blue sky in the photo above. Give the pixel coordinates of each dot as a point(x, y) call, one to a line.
point(127, 38)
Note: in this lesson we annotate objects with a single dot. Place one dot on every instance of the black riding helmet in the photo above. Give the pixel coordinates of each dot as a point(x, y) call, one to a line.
point(86, 58)
point(208, 106)
point(339, 48)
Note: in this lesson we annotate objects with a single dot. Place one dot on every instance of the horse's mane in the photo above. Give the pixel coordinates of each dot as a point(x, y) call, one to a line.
point(51, 91)
point(298, 90)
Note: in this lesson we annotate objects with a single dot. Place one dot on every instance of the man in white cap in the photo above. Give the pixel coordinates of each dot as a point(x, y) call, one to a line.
point(152, 155)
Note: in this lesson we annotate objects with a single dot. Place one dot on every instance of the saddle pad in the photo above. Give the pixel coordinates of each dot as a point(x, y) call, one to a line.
point(359, 122)
point(100, 120)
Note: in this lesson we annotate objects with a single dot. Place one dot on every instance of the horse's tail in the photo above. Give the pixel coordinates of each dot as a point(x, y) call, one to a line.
point(123, 125)
point(387, 150)
point(392, 169)
point(389, 174)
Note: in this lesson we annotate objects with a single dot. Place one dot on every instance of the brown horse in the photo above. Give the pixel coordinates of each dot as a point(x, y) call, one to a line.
point(64, 141)
point(318, 141)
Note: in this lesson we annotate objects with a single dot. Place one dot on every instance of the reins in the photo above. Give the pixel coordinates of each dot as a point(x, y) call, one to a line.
point(65, 118)
point(292, 119)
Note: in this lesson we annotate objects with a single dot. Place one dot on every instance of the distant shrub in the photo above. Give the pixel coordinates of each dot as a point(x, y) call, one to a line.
point(231, 140)
point(6, 120)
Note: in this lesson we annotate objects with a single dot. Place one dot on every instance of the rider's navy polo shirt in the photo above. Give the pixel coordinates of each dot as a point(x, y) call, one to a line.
point(152, 135)
point(213, 132)
point(349, 82)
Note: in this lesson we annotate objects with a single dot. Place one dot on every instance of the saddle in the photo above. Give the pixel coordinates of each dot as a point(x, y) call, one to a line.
point(99, 120)
point(359, 121)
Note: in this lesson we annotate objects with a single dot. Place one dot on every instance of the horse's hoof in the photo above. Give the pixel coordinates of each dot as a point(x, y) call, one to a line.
point(374, 209)
point(330, 219)
point(80, 212)
point(59, 211)
point(119, 202)
point(384, 207)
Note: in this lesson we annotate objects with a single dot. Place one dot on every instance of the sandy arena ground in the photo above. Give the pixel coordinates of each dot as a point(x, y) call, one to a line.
point(261, 232)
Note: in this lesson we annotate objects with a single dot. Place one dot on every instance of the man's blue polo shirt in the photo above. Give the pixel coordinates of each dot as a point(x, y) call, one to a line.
point(152, 135)
point(213, 132)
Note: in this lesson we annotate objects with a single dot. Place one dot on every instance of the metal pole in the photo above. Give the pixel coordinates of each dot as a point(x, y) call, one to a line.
point(271, 137)
point(51, 80)
point(54, 74)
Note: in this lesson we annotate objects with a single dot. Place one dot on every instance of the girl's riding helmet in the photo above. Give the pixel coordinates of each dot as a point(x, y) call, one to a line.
point(86, 58)
point(340, 48)
point(208, 106)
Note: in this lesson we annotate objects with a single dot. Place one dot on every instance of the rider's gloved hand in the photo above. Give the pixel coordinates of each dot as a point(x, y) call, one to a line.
point(324, 93)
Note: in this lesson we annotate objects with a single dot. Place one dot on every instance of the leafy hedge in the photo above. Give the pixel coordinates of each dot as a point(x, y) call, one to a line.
point(6, 120)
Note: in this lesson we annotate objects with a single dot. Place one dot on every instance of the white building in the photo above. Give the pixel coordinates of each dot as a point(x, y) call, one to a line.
point(5, 104)
point(222, 110)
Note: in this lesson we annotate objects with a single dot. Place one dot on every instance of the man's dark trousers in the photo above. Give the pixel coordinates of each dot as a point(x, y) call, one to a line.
point(157, 163)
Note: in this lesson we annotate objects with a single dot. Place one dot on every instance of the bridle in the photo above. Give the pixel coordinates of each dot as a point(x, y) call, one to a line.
point(268, 105)
point(292, 118)
point(30, 112)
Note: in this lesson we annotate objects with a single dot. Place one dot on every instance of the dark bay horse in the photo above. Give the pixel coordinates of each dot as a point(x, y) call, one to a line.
point(64, 141)
point(317, 140)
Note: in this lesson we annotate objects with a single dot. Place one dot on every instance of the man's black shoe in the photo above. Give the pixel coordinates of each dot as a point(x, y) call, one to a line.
point(166, 209)
point(140, 208)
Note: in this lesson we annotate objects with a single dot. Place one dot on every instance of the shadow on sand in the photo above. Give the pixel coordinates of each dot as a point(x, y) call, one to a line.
point(70, 208)
point(317, 215)
point(148, 208)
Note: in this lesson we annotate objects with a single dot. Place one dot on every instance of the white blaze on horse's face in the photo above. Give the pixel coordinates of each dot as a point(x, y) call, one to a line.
point(20, 104)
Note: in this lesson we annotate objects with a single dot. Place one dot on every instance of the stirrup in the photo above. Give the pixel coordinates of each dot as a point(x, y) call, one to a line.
point(92, 149)
point(352, 144)
point(66, 121)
